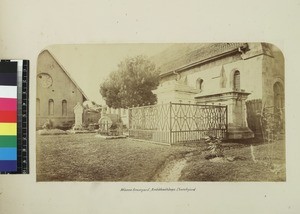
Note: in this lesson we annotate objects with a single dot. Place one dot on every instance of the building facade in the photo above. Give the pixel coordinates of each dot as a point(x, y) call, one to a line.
point(57, 93)
point(226, 74)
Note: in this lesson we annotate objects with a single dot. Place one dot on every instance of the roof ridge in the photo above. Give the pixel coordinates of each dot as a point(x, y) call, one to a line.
point(65, 70)
point(201, 53)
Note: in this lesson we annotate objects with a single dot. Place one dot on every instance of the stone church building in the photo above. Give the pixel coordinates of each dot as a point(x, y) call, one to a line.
point(231, 74)
point(223, 74)
point(57, 93)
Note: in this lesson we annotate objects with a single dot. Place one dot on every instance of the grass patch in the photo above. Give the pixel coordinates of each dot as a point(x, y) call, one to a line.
point(84, 157)
point(87, 158)
point(51, 132)
point(269, 165)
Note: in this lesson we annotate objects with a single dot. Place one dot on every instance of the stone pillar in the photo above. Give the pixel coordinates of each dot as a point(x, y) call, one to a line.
point(239, 128)
point(245, 112)
point(103, 111)
point(78, 111)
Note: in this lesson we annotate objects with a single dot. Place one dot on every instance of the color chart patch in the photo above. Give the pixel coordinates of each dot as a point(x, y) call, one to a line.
point(14, 102)
point(8, 116)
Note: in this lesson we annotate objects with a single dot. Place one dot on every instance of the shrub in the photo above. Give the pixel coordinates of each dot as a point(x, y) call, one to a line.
point(48, 124)
point(214, 147)
point(271, 123)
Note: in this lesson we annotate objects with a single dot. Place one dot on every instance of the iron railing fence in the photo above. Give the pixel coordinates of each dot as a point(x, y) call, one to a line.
point(177, 122)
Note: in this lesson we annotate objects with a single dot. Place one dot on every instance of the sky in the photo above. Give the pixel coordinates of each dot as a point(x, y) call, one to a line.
point(90, 64)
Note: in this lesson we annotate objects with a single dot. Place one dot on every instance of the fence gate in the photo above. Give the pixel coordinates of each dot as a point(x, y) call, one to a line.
point(177, 122)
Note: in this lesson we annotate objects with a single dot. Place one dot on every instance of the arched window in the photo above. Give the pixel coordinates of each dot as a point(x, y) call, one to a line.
point(51, 107)
point(236, 81)
point(199, 84)
point(64, 108)
point(38, 106)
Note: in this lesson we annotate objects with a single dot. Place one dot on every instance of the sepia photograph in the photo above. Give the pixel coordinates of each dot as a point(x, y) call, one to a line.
point(155, 106)
point(161, 112)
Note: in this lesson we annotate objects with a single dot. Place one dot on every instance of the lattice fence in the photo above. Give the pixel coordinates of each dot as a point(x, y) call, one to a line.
point(177, 122)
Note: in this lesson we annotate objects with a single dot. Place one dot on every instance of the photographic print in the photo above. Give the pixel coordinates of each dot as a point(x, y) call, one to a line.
point(160, 112)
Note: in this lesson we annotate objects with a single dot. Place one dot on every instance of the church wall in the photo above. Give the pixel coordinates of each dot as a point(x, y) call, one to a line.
point(203, 67)
point(61, 89)
point(166, 97)
point(250, 76)
point(273, 71)
point(260, 68)
point(173, 91)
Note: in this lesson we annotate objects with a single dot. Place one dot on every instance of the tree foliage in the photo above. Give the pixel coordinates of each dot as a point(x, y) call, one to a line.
point(132, 84)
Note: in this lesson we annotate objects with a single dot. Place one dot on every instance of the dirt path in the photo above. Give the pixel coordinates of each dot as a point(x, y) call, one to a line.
point(172, 171)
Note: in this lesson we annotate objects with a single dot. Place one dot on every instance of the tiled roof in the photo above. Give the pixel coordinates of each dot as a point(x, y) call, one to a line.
point(184, 54)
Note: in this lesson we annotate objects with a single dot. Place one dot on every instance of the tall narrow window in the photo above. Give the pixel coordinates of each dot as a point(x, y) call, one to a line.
point(38, 106)
point(51, 107)
point(64, 108)
point(236, 81)
point(199, 84)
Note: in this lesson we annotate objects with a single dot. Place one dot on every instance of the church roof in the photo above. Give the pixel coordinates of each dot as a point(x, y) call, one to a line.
point(69, 76)
point(183, 56)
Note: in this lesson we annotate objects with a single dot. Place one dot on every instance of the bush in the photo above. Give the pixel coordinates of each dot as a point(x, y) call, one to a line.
point(48, 124)
point(214, 147)
point(271, 123)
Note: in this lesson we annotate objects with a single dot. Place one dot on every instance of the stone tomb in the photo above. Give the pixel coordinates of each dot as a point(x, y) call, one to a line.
point(110, 124)
point(178, 91)
point(236, 108)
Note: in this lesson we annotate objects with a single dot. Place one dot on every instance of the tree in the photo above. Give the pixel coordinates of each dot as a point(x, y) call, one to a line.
point(132, 84)
point(91, 106)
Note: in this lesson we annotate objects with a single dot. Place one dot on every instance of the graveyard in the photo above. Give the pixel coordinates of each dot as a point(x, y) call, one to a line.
point(83, 157)
point(106, 154)
point(195, 117)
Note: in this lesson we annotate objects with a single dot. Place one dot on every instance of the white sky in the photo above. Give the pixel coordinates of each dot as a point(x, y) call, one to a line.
point(90, 64)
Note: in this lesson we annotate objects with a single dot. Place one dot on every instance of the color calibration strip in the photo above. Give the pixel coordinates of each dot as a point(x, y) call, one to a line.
point(14, 89)
point(8, 116)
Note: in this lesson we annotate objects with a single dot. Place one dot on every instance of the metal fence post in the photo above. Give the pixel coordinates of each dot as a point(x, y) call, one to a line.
point(129, 121)
point(170, 123)
point(226, 108)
